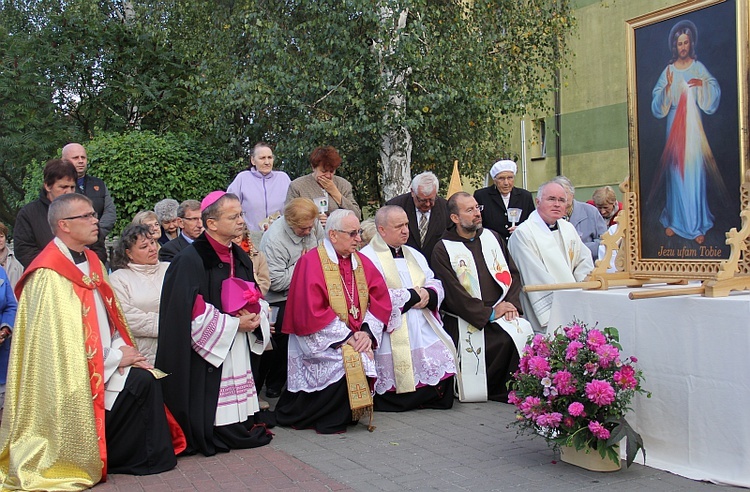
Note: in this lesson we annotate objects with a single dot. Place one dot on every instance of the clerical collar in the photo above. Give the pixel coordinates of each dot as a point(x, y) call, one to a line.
point(222, 250)
point(397, 252)
point(552, 227)
point(78, 258)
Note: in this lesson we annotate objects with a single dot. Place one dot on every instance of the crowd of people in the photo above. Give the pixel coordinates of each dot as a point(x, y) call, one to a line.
point(270, 284)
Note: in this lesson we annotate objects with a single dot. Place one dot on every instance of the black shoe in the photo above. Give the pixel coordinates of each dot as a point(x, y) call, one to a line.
point(272, 393)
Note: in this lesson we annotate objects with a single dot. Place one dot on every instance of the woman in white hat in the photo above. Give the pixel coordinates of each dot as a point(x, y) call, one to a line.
point(502, 195)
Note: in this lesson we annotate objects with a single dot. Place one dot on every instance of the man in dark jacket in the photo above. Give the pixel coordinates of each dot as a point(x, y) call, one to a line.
point(189, 221)
point(96, 190)
point(427, 213)
point(32, 231)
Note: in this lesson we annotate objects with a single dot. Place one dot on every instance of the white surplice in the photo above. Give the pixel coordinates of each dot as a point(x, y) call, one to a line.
point(547, 257)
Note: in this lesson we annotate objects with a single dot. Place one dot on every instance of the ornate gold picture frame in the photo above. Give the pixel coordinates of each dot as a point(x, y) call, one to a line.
point(688, 132)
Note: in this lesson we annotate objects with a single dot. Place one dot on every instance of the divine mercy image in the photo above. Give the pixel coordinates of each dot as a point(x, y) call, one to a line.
point(689, 167)
point(684, 90)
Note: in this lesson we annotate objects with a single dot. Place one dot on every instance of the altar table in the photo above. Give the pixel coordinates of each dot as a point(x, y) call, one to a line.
point(695, 355)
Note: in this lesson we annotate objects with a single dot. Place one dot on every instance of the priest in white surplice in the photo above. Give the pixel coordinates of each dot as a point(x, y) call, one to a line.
point(416, 357)
point(548, 250)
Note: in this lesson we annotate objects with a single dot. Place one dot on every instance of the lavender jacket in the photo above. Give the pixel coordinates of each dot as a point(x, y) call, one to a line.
point(260, 195)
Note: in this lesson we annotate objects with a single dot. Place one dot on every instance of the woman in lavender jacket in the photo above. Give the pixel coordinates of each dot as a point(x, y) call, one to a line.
point(261, 190)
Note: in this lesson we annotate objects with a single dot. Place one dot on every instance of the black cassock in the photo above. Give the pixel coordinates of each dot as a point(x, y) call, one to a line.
point(191, 391)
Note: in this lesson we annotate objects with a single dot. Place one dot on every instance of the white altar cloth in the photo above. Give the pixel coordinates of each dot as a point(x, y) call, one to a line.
point(695, 355)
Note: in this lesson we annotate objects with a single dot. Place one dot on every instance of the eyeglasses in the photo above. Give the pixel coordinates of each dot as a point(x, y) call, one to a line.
point(88, 216)
point(191, 219)
point(352, 234)
point(231, 218)
point(424, 201)
point(471, 210)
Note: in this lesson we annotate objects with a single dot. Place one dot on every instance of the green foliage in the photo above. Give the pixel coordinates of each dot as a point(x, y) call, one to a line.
point(300, 74)
point(297, 74)
point(141, 168)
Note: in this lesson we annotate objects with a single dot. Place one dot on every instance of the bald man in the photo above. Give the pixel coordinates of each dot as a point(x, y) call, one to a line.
point(96, 190)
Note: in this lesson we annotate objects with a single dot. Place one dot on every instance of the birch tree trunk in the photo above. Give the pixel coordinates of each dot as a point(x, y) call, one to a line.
point(396, 141)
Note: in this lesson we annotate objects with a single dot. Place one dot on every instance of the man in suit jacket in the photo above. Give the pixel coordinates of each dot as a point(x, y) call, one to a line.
point(422, 204)
point(502, 195)
point(189, 217)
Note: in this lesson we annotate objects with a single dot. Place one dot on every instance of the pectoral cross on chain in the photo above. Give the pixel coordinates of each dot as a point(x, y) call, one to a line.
point(354, 311)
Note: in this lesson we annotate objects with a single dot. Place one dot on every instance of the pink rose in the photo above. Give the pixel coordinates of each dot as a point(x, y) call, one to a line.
point(595, 339)
point(572, 351)
point(576, 409)
point(523, 364)
point(531, 407)
point(573, 332)
point(513, 398)
point(598, 430)
point(607, 354)
point(538, 366)
point(625, 377)
point(564, 382)
point(600, 392)
point(549, 419)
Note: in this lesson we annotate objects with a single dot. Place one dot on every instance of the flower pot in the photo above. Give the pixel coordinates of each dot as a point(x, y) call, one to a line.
point(589, 459)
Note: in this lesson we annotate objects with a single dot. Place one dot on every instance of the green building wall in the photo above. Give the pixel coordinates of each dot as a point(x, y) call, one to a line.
point(593, 101)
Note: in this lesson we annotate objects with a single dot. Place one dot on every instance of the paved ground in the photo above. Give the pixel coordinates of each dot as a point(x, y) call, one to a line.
point(467, 448)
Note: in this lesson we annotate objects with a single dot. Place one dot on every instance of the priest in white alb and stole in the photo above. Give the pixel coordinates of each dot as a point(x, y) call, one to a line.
point(416, 357)
point(548, 250)
point(481, 302)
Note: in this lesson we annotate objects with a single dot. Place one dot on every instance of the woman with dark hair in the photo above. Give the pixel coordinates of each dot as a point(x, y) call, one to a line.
point(261, 190)
point(137, 282)
point(329, 192)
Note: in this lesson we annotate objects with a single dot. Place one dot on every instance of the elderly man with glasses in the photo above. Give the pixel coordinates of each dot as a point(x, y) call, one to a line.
point(427, 213)
point(189, 218)
point(481, 302)
point(337, 307)
point(548, 250)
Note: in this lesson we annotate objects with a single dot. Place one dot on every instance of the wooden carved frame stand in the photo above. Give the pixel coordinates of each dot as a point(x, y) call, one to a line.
point(733, 273)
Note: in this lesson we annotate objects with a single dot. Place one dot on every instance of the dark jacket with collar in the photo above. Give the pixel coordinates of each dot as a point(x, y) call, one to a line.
point(495, 215)
point(174, 246)
point(32, 231)
point(104, 206)
point(440, 221)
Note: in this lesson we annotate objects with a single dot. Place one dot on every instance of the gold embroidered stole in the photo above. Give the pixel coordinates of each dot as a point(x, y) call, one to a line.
point(403, 368)
point(360, 396)
point(336, 286)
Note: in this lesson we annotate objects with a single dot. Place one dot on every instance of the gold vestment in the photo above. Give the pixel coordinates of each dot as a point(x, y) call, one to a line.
point(48, 437)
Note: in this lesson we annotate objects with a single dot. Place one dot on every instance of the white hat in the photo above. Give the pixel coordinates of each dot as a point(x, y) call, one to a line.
point(501, 166)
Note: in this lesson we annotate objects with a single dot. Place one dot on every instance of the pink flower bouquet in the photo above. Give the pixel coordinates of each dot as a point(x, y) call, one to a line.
point(574, 389)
